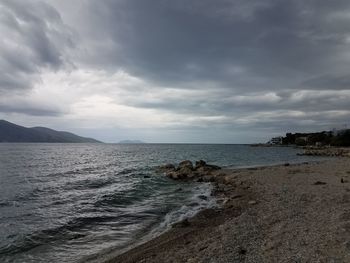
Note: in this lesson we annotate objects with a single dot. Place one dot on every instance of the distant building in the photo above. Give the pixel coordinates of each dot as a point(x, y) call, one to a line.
point(276, 140)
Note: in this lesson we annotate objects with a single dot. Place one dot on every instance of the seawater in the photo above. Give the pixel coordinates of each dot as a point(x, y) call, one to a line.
point(69, 202)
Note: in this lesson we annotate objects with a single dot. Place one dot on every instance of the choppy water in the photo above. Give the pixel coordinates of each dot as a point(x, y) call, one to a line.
point(66, 202)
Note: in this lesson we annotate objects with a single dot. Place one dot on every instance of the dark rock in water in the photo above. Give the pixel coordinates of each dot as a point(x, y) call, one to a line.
point(286, 164)
point(178, 190)
point(173, 175)
point(200, 163)
point(319, 183)
point(185, 164)
point(213, 167)
point(185, 170)
point(146, 176)
point(166, 168)
point(169, 166)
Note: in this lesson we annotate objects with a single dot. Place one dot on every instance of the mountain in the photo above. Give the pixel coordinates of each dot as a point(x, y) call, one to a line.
point(10, 132)
point(131, 142)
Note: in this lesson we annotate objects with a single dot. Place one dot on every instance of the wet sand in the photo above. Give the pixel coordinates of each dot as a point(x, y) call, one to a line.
point(293, 213)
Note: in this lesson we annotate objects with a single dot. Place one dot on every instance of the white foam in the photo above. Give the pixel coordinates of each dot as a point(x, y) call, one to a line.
point(200, 199)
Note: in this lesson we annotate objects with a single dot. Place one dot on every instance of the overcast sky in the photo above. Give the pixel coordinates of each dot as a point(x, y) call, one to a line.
point(217, 71)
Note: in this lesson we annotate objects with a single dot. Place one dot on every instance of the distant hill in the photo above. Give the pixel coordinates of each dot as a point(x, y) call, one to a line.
point(131, 142)
point(10, 132)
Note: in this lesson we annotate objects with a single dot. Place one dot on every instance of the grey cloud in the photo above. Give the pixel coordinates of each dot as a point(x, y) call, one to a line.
point(278, 44)
point(329, 81)
point(29, 108)
point(33, 38)
point(244, 58)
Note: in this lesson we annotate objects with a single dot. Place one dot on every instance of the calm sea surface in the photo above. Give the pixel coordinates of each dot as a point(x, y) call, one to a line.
point(67, 202)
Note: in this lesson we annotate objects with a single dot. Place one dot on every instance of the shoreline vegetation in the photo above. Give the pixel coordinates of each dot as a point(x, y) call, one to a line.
point(282, 213)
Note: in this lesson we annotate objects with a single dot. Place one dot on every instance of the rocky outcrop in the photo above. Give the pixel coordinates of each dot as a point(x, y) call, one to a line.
point(340, 152)
point(185, 170)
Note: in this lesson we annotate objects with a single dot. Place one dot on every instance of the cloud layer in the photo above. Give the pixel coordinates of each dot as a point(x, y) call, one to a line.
point(166, 70)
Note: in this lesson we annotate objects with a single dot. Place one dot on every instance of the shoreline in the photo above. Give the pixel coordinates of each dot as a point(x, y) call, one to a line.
point(248, 203)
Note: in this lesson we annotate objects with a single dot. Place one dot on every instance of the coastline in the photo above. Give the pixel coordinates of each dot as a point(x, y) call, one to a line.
point(275, 213)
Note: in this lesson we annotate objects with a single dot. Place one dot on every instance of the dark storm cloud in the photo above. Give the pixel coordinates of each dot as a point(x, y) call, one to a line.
point(31, 110)
point(240, 44)
point(269, 65)
point(33, 37)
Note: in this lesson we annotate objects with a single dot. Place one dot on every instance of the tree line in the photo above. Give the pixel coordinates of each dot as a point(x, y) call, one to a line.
point(341, 138)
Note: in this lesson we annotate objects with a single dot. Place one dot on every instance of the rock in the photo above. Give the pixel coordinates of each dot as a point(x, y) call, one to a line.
point(319, 183)
point(166, 168)
point(185, 164)
point(185, 172)
point(169, 166)
point(202, 170)
point(236, 196)
point(252, 202)
point(172, 175)
point(213, 167)
point(286, 164)
point(225, 201)
point(146, 176)
point(202, 248)
point(242, 251)
point(208, 178)
point(200, 163)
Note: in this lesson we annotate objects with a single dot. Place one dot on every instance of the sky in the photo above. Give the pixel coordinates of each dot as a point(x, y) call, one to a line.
point(198, 71)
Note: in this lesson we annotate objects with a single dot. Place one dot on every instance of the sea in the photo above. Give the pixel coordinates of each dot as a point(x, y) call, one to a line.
point(74, 202)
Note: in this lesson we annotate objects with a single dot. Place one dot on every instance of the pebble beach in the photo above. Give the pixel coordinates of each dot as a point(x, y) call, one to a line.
point(283, 213)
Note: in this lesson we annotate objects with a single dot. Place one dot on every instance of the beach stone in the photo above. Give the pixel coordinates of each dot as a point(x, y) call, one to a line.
point(319, 183)
point(252, 202)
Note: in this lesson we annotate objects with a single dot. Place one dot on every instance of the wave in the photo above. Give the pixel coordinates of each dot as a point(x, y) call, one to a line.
point(68, 231)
